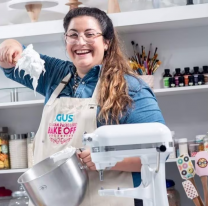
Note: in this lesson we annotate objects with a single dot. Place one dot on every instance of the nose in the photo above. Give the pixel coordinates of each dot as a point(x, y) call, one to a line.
point(81, 41)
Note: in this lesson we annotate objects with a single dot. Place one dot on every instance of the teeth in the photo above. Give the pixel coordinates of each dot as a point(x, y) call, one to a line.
point(82, 51)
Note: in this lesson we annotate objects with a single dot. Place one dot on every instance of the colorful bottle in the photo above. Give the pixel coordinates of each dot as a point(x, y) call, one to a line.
point(205, 72)
point(200, 79)
point(166, 77)
point(196, 74)
point(181, 81)
point(191, 80)
point(177, 75)
point(172, 82)
point(186, 75)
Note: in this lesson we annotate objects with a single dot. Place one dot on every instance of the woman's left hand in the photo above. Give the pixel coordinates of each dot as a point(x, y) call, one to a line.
point(86, 159)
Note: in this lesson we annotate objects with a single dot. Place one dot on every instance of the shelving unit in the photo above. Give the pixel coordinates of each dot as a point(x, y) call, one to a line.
point(174, 160)
point(13, 171)
point(157, 92)
point(125, 22)
point(180, 33)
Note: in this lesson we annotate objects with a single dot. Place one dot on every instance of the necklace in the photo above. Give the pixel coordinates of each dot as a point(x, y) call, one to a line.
point(76, 82)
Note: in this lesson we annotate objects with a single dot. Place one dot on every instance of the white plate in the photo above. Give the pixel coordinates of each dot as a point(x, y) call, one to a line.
point(20, 4)
point(21, 17)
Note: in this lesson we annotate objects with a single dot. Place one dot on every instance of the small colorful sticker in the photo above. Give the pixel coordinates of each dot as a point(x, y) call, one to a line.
point(202, 163)
point(180, 161)
point(185, 167)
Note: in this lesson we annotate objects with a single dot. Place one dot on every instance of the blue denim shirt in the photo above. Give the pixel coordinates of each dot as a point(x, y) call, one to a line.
point(145, 107)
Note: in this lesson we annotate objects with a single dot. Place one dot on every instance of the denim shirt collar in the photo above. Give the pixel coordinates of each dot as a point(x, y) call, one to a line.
point(95, 71)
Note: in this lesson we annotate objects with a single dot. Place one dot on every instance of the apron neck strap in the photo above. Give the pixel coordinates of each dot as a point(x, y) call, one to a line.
point(96, 92)
point(58, 89)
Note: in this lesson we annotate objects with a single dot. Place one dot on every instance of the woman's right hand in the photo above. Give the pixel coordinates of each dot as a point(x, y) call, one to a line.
point(10, 52)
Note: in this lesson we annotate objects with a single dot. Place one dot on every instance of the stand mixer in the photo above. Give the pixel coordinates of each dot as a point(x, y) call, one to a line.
point(152, 142)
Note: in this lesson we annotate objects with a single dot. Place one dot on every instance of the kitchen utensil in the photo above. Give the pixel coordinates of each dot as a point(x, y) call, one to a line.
point(201, 165)
point(73, 4)
point(191, 192)
point(187, 171)
point(113, 6)
point(109, 145)
point(60, 183)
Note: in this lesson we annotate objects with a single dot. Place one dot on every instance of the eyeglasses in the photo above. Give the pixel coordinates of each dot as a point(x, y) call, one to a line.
point(202, 163)
point(72, 37)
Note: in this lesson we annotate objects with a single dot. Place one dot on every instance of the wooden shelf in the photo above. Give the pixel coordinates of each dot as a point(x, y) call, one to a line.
point(13, 171)
point(174, 160)
point(124, 22)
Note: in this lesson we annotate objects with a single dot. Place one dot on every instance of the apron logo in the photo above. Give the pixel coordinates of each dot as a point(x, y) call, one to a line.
point(62, 130)
point(64, 118)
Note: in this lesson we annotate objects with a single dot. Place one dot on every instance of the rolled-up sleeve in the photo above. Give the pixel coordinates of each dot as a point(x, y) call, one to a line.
point(54, 70)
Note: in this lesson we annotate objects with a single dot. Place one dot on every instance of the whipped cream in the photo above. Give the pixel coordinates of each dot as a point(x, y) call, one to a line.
point(32, 64)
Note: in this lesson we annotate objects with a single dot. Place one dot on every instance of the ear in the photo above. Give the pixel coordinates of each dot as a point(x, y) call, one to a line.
point(106, 44)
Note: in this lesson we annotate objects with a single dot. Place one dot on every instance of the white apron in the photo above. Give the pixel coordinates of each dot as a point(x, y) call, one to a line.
point(64, 120)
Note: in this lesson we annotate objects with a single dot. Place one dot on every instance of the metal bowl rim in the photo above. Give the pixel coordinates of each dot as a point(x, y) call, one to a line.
point(20, 182)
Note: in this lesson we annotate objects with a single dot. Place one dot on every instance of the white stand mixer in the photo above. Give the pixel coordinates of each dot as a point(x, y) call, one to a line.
point(152, 142)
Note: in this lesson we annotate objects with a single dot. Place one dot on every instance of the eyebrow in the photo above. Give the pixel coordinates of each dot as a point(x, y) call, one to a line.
point(77, 31)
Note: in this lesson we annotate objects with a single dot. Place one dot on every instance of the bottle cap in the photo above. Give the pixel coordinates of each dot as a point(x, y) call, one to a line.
point(167, 71)
point(196, 69)
point(205, 69)
point(18, 136)
point(183, 140)
point(170, 183)
point(187, 69)
point(178, 70)
point(199, 138)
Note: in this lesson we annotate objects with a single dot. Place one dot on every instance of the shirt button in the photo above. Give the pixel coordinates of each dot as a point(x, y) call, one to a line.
point(83, 82)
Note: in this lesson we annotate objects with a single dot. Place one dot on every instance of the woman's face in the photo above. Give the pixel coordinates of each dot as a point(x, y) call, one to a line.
point(84, 55)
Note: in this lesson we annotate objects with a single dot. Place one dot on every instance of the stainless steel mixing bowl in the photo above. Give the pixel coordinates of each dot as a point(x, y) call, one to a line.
point(56, 184)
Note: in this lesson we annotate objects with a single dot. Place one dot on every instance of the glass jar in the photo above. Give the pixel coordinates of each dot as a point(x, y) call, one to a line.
point(30, 157)
point(183, 146)
point(4, 148)
point(193, 149)
point(205, 140)
point(199, 140)
point(173, 195)
point(18, 151)
point(19, 198)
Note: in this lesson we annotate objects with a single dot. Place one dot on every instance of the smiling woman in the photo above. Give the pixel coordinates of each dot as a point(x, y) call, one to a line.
point(97, 88)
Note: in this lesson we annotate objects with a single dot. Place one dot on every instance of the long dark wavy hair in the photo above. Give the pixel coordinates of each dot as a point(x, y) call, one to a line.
point(113, 97)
